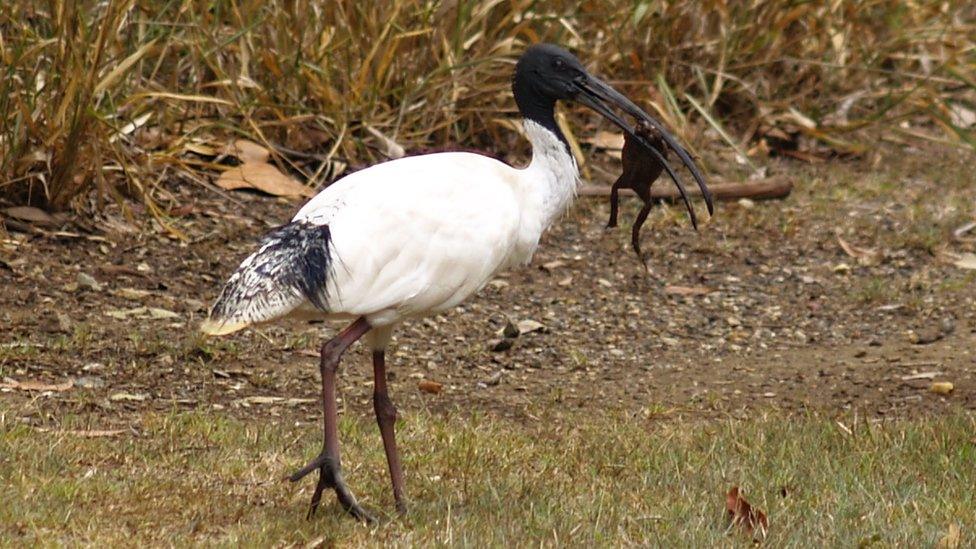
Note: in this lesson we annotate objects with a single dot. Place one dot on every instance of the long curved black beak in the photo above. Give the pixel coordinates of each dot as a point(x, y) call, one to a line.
point(598, 95)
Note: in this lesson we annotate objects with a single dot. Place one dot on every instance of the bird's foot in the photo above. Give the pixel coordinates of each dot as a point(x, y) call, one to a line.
point(401, 508)
point(330, 476)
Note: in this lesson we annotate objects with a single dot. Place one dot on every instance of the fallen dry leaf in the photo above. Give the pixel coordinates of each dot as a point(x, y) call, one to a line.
point(128, 397)
point(965, 261)
point(864, 256)
point(942, 387)
point(430, 387)
point(687, 290)
point(157, 313)
point(741, 513)
point(37, 386)
point(248, 151)
point(132, 293)
point(31, 215)
point(263, 177)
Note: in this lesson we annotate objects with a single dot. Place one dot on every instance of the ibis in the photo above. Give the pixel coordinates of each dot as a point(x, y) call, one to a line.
point(418, 235)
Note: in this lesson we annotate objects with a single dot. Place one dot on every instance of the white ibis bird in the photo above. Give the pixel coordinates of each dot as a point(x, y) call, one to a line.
point(416, 236)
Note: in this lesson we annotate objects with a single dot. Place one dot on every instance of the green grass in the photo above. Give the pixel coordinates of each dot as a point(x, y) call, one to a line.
point(595, 479)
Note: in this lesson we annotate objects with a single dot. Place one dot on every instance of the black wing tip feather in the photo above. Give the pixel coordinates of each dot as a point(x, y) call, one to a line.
point(311, 266)
point(294, 258)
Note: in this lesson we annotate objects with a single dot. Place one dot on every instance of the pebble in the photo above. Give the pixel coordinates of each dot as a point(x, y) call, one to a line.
point(88, 281)
point(89, 382)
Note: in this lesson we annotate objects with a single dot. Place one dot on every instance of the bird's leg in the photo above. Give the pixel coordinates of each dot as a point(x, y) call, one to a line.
point(327, 462)
point(386, 414)
point(613, 202)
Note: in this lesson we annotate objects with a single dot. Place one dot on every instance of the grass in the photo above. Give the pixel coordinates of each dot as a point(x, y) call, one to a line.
point(104, 100)
point(598, 479)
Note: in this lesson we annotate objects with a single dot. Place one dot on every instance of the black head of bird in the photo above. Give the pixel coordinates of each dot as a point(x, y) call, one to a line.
point(546, 73)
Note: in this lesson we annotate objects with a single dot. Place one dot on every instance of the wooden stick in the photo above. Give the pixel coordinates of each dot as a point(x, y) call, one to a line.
point(763, 189)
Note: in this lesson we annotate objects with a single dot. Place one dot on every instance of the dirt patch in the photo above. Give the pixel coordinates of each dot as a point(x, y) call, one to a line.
point(764, 308)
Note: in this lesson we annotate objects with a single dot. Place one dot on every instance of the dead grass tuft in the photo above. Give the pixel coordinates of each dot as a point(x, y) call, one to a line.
point(117, 96)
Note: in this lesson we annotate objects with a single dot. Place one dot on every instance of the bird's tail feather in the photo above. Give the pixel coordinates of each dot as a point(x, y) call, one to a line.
point(292, 266)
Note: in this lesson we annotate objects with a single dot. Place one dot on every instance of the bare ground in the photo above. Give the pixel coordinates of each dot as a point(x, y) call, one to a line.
point(780, 316)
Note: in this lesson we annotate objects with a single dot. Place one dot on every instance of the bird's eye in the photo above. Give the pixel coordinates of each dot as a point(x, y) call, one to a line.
point(559, 63)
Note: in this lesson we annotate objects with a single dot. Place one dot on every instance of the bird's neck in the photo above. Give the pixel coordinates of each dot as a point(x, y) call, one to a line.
point(552, 178)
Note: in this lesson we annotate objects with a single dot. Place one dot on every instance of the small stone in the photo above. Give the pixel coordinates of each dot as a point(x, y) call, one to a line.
point(604, 282)
point(528, 326)
point(733, 321)
point(553, 265)
point(747, 203)
point(89, 382)
point(926, 335)
point(64, 323)
point(88, 281)
point(495, 379)
point(948, 326)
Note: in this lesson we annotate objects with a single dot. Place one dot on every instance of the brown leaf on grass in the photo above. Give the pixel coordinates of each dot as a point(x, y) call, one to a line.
point(864, 256)
point(31, 214)
point(965, 261)
point(37, 386)
point(687, 290)
point(741, 513)
point(263, 177)
point(248, 151)
point(430, 387)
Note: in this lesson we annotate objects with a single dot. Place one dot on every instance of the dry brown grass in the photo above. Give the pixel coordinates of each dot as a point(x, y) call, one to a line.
point(118, 96)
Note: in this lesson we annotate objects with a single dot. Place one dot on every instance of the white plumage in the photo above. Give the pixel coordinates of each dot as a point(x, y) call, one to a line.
point(418, 235)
